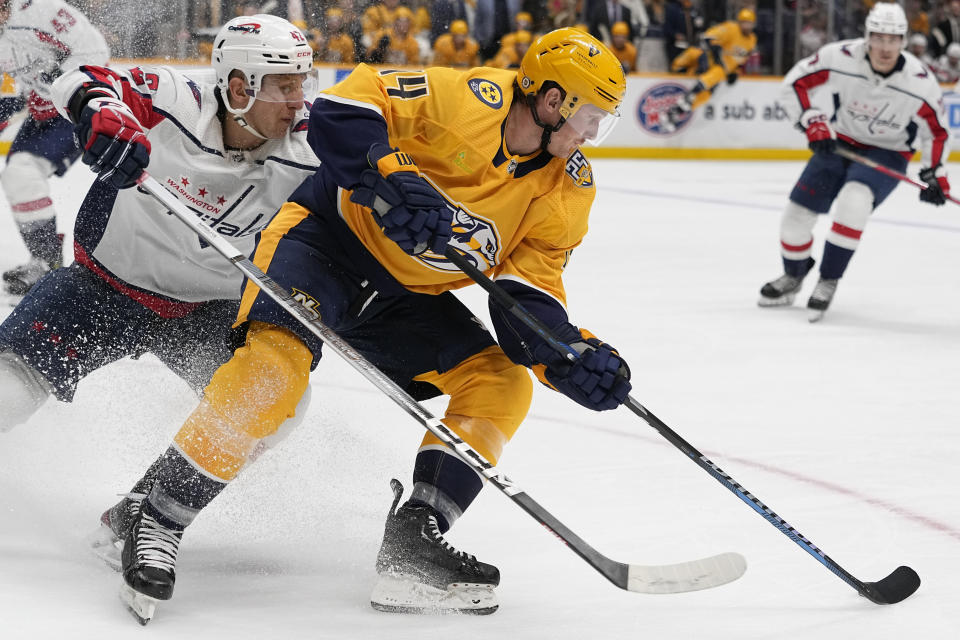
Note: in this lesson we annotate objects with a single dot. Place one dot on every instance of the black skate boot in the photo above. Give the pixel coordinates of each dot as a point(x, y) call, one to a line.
point(149, 559)
point(19, 280)
point(820, 299)
point(421, 573)
point(115, 523)
point(782, 291)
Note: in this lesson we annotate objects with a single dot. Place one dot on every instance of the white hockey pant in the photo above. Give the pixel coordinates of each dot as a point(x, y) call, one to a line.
point(26, 185)
point(22, 390)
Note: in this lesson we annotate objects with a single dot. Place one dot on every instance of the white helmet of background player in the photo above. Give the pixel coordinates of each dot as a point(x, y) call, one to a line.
point(887, 17)
point(257, 46)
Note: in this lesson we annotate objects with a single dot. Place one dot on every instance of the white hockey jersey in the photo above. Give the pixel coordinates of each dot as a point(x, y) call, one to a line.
point(901, 112)
point(127, 238)
point(41, 40)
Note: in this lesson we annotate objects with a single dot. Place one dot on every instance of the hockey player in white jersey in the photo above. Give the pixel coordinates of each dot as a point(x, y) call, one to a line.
point(39, 41)
point(232, 151)
point(886, 104)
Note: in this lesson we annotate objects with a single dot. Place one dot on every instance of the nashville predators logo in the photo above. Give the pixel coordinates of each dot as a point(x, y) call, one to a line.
point(579, 170)
point(487, 92)
point(476, 238)
point(308, 302)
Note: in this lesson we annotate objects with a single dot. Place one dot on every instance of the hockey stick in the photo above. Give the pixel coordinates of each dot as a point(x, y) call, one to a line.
point(893, 173)
point(895, 587)
point(674, 578)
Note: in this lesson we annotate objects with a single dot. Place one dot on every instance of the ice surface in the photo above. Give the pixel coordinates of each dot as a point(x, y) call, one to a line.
point(847, 429)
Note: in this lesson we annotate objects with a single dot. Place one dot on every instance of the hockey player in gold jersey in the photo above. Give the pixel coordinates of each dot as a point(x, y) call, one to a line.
point(484, 161)
point(726, 48)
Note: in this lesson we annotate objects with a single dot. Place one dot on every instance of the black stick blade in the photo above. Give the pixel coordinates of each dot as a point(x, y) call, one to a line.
point(897, 586)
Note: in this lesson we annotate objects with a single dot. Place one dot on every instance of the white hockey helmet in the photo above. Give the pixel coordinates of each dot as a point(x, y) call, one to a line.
point(259, 45)
point(886, 17)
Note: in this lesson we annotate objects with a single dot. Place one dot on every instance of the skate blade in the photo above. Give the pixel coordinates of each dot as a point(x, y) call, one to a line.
point(815, 315)
point(141, 606)
point(106, 545)
point(395, 593)
point(783, 301)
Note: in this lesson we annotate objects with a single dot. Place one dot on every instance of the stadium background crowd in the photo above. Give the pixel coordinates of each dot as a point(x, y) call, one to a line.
point(652, 33)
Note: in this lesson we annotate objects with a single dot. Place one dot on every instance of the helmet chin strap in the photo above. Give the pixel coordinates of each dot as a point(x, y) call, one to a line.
point(238, 117)
point(548, 130)
point(240, 120)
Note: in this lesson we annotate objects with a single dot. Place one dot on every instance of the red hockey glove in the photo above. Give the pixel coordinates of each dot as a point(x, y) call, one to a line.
point(938, 188)
point(820, 136)
point(114, 143)
point(408, 208)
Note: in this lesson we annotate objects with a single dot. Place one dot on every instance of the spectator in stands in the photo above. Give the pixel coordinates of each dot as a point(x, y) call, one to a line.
point(681, 28)
point(605, 13)
point(621, 46)
point(396, 45)
point(456, 48)
point(332, 44)
point(947, 31)
point(726, 47)
point(510, 58)
point(917, 19)
point(443, 13)
point(523, 21)
point(379, 17)
point(917, 45)
point(563, 13)
point(813, 35)
point(491, 21)
point(948, 65)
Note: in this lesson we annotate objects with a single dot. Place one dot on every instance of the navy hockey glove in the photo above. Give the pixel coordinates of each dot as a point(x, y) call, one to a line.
point(409, 210)
point(113, 141)
point(820, 136)
point(598, 380)
point(937, 185)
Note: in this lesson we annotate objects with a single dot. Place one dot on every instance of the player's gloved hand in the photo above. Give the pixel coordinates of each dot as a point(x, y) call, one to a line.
point(599, 380)
point(937, 185)
point(409, 210)
point(820, 136)
point(732, 77)
point(114, 143)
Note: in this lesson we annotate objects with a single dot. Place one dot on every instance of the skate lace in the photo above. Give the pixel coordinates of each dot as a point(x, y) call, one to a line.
point(433, 530)
point(784, 282)
point(157, 546)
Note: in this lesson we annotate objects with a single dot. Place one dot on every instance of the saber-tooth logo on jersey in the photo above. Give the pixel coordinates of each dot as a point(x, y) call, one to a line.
point(873, 116)
point(473, 236)
point(307, 301)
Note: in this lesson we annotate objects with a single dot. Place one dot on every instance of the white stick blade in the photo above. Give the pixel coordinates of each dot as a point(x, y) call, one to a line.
point(695, 575)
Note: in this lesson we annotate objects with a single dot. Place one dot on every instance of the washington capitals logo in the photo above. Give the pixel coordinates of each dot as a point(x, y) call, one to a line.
point(246, 27)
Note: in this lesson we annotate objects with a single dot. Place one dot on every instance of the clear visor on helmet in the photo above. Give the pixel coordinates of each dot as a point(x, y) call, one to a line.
point(593, 123)
point(286, 87)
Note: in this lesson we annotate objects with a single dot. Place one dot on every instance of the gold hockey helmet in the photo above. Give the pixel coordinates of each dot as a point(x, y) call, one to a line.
point(583, 68)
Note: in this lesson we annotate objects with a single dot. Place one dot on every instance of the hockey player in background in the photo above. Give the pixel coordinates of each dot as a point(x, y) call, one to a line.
point(232, 151)
point(487, 163)
point(39, 41)
point(886, 100)
point(726, 47)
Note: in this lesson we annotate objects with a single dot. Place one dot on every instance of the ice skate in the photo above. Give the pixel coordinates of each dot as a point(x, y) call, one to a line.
point(419, 572)
point(149, 557)
point(820, 299)
point(670, 119)
point(115, 523)
point(782, 291)
point(19, 280)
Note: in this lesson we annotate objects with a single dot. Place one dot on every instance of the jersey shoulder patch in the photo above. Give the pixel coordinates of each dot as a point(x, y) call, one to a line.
point(578, 169)
point(487, 92)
